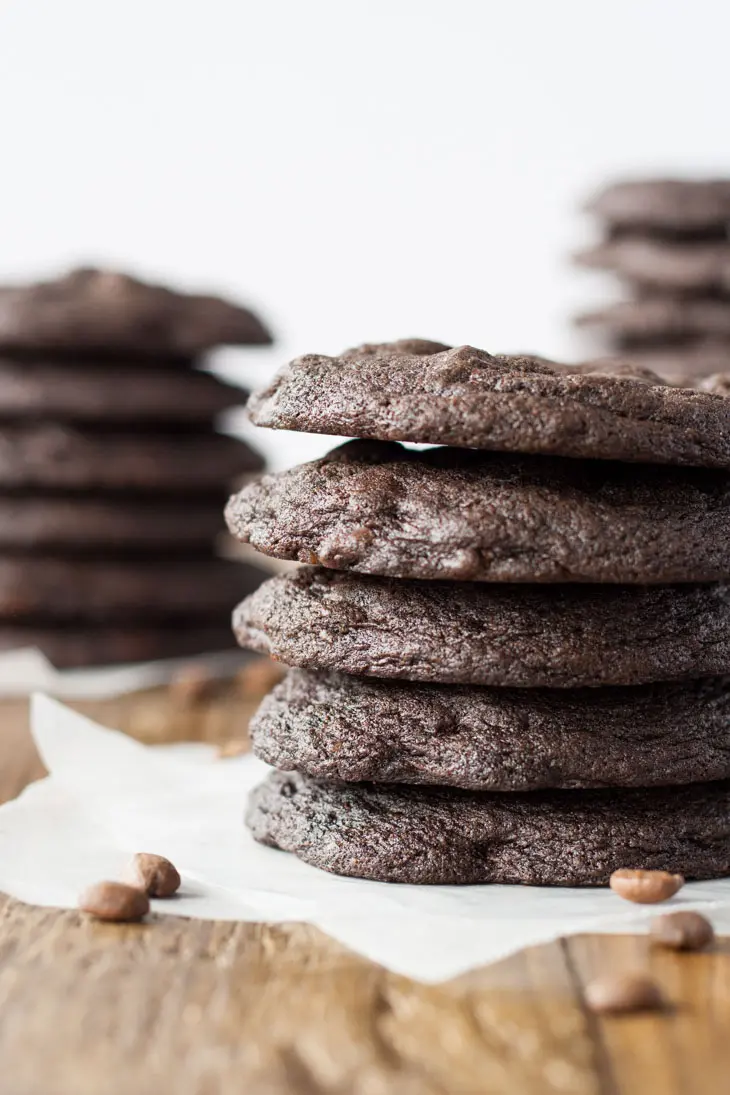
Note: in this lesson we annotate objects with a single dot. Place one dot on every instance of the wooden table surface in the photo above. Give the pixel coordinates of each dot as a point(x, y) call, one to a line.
point(175, 1007)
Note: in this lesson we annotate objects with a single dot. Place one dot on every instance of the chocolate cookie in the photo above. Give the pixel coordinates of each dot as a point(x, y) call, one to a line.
point(377, 508)
point(470, 399)
point(55, 458)
point(32, 389)
point(676, 205)
point(465, 633)
point(662, 320)
point(98, 310)
point(95, 589)
point(82, 525)
point(694, 268)
point(80, 648)
point(338, 727)
point(442, 836)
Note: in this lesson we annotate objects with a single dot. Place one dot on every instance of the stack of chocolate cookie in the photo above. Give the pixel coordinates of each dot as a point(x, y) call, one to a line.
point(669, 242)
point(112, 474)
point(509, 652)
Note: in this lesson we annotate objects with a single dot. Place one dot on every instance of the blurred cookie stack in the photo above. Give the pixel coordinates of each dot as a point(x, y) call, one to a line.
point(508, 652)
point(112, 473)
point(668, 242)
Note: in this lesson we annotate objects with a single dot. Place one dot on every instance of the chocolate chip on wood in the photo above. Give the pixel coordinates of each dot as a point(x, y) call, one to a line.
point(682, 931)
point(115, 901)
point(620, 993)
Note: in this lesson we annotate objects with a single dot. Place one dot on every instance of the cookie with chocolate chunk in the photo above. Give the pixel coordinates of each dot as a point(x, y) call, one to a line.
point(48, 457)
point(377, 508)
point(102, 310)
point(471, 399)
point(443, 836)
point(357, 729)
point(563, 636)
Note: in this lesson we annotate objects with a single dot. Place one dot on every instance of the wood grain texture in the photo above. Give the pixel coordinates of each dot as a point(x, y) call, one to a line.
point(176, 1007)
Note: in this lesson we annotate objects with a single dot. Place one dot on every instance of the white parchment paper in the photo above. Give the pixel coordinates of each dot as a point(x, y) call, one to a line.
point(108, 796)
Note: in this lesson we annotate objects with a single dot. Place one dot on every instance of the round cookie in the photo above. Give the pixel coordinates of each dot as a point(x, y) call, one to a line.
point(375, 507)
point(693, 268)
point(442, 836)
point(467, 633)
point(675, 205)
point(49, 457)
point(85, 524)
point(101, 310)
point(662, 320)
point(51, 589)
point(470, 399)
point(79, 648)
point(357, 729)
point(33, 389)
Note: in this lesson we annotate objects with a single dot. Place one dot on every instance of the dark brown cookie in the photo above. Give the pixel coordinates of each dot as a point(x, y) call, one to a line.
point(57, 458)
point(444, 837)
point(338, 727)
point(693, 268)
point(470, 399)
point(111, 392)
point(93, 589)
point(665, 204)
point(92, 310)
point(80, 648)
point(377, 508)
point(82, 525)
point(662, 320)
point(466, 633)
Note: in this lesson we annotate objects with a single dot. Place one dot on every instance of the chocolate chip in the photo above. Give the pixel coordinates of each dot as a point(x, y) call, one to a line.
point(114, 901)
point(258, 677)
point(155, 875)
point(645, 887)
point(623, 992)
point(191, 685)
point(682, 931)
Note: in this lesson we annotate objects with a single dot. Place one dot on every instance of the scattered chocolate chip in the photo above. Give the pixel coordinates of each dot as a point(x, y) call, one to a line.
point(155, 875)
point(623, 992)
point(682, 931)
point(191, 685)
point(258, 677)
point(115, 901)
point(645, 887)
point(236, 747)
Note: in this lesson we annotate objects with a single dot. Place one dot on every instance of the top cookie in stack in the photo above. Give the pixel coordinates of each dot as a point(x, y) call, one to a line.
point(112, 474)
point(668, 242)
point(507, 662)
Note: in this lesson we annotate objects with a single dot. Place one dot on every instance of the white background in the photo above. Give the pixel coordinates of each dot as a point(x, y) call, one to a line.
point(357, 169)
